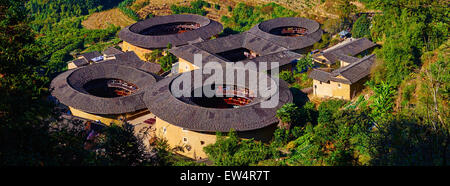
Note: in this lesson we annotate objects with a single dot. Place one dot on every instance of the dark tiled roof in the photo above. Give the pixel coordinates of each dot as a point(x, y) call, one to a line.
point(110, 51)
point(346, 58)
point(357, 70)
point(80, 62)
point(320, 75)
point(68, 88)
point(210, 48)
point(187, 52)
point(243, 40)
point(353, 47)
point(313, 34)
point(90, 55)
point(283, 58)
point(132, 60)
point(352, 72)
point(335, 57)
point(208, 28)
point(180, 112)
point(346, 51)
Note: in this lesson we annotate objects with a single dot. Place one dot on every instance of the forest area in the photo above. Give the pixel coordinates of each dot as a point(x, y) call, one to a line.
point(403, 120)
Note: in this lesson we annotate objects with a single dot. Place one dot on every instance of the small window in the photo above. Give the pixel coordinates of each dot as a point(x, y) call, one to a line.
point(339, 85)
point(315, 86)
point(164, 130)
point(320, 82)
point(202, 142)
point(185, 140)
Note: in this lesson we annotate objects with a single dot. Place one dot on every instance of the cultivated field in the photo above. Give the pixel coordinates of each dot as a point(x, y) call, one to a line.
point(102, 19)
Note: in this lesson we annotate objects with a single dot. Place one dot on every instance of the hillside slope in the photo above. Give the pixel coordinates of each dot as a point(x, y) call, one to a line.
point(101, 20)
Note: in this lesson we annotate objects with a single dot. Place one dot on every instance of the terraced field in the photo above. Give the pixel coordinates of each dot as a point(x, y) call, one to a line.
point(102, 19)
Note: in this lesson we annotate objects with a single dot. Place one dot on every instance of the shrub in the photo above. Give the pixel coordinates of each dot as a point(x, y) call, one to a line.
point(361, 28)
point(289, 113)
point(287, 76)
point(217, 6)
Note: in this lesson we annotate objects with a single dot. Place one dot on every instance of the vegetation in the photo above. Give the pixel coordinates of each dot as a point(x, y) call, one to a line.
point(124, 7)
point(217, 6)
point(403, 120)
point(361, 28)
point(287, 76)
point(46, 13)
point(154, 55)
point(303, 64)
point(289, 113)
point(195, 8)
point(420, 26)
point(60, 33)
point(245, 16)
point(167, 60)
point(233, 151)
point(333, 26)
point(323, 43)
point(31, 132)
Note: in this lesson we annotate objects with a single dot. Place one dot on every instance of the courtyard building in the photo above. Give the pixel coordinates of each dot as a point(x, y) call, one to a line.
point(191, 123)
point(110, 92)
point(157, 32)
point(343, 83)
point(344, 52)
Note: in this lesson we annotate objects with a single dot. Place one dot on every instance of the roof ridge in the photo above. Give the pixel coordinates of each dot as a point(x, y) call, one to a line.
point(343, 69)
point(246, 32)
point(345, 44)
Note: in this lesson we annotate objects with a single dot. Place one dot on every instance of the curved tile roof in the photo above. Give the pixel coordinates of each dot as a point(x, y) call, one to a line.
point(313, 34)
point(268, 51)
point(207, 29)
point(68, 88)
point(132, 60)
point(352, 72)
point(183, 113)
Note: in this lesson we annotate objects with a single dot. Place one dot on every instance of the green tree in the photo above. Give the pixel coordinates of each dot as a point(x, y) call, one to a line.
point(333, 26)
point(345, 140)
point(382, 102)
point(289, 113)
point(123, 147)
point(361, 28)
point(404, 141)
point(304, 63)
point(167, 61)
point(346, 8)
point(287, 76)
point(233, 151)
point(246, 16)
point(327, 109)
point(407, 29)
point(217, 6)
point(154, 55)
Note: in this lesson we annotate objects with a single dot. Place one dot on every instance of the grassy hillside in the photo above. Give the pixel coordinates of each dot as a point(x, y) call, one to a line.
point(101, 20)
